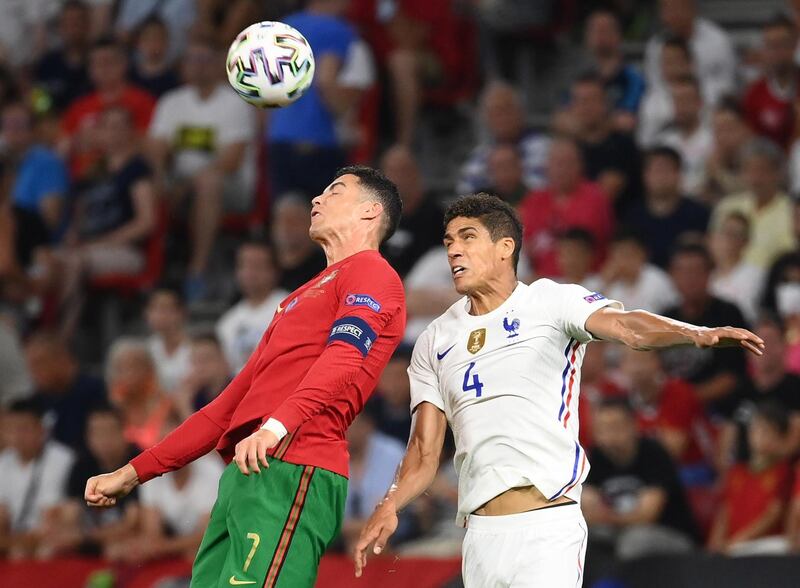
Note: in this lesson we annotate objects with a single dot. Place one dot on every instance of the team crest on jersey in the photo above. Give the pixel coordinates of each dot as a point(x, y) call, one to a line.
point(476, 340)
point(326, 279)
point(511, 327)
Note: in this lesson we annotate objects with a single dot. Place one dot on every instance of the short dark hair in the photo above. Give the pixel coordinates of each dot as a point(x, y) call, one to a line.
point(617, 402)
point(108, 42)
point(628, 234)
point(497, 215)
point(106, 408)
point(729, 104)
point(590, 77)
point(693, 248)
point(206, 336)
point(677, 42)
point(578, 235)
point(74, 5)
point(665, 152)
point(32, 406)
point(780, 21)
point(688, 80)
point(775, 414)
point(170, 291)
point(383, 189)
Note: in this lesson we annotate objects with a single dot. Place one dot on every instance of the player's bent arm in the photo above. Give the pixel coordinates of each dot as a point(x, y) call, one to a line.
point(647, 511)
point(644, 330)
point(416, 473)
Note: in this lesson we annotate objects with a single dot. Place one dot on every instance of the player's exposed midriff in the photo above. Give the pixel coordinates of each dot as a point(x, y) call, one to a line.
point(517, 500)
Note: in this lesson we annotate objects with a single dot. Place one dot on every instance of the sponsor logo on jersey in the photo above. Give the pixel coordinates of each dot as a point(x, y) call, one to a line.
point(511, 327)
point(476, 340)
point(362, 300)
point(440, 356)
point(594, 297)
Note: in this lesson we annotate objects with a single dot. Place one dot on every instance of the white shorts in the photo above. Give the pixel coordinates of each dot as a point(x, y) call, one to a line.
point(542, 548)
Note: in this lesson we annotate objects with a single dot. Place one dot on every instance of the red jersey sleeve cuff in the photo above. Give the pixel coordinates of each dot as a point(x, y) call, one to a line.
point(147, 466)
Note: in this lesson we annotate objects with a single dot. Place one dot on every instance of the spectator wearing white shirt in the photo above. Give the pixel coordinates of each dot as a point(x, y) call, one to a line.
point(711, 48)
point(242, 326)
point(168, 343)
point(633, 281)
point(202, 144)
point(174, 513)
point(34, 478)
point(690, 134)
point(734, 279)
point(503, 118)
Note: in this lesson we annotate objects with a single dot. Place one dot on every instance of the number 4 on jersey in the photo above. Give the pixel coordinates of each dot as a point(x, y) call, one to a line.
point(476, 384)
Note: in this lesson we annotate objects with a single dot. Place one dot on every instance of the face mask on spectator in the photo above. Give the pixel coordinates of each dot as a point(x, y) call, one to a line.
point(788, 298)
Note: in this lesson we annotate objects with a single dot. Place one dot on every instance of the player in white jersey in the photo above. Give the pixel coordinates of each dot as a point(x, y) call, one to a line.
point(502, 367)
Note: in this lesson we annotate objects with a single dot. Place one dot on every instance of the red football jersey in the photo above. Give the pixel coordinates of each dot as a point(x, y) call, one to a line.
point(747, 494)
point(768, 113)
point(313, 371)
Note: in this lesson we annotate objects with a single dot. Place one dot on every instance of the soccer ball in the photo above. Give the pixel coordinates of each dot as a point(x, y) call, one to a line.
point(270, 64)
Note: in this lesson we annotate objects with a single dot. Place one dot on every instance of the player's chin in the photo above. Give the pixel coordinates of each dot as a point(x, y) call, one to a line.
point(462, 286)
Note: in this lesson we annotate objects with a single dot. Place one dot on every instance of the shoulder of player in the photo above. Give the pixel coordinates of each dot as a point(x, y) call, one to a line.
point(373, 266)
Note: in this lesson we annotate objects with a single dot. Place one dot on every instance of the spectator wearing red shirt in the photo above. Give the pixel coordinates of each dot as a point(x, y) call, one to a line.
point(755, 493)
point(427, 49)
point(568, 201)
point(596, 387)
point(667, 408)
point(793, 520)
point(108, 65)
point(769, 101)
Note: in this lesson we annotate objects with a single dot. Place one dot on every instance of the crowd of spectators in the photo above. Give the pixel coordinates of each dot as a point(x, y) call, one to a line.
point(667, 178)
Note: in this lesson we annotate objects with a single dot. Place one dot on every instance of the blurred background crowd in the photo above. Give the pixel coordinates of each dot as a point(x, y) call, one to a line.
point(151, 222)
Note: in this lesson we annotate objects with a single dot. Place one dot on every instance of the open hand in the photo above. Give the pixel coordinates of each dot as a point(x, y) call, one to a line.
point(252, 451)
point(380, 526)
point(729, 337)
point(103, 490)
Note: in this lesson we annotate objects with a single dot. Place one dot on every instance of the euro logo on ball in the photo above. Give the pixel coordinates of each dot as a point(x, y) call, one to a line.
point(270, 64)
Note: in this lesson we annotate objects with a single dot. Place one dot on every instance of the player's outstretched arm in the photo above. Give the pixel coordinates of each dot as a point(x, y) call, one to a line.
point(103, 490)
point(416, 473)
point(644, 330)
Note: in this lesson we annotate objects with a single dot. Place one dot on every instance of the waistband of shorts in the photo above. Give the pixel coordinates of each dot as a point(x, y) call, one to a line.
point(531, 518)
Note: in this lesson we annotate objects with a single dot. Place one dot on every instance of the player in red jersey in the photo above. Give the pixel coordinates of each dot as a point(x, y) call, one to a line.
point(289, 407)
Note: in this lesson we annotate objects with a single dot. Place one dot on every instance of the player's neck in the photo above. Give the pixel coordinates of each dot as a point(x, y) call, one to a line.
point(491, 295)
point(337, 249)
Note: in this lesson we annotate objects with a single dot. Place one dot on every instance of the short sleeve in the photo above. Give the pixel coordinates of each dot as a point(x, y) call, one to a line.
point(571, 305)
point(163, 124)
point(422, 377)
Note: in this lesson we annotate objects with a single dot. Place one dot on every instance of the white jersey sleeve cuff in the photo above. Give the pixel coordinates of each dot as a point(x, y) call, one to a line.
point(275, 427)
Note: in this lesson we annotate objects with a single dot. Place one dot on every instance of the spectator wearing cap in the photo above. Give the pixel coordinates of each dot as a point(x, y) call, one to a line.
point(715, 373)
point(35, 473)
point(755, 494)
point(201, 144)
point(62, 72)
point(421, 225)
point(769, 102)
point(665, 213)
point(569, 200)
point(734, 279)
point(724, 165)
point(241, 327)
point(66, 392)
point(631, 279)
point(710, 46)
point(108, 66)
point(689, 134)
point(503, 118)
point(624, 84)
point(764, 204)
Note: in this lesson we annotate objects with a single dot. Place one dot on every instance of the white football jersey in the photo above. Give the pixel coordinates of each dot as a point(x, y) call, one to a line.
point(508, 382)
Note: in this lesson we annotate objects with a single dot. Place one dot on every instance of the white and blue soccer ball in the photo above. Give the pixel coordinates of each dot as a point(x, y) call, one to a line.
point(270, 64)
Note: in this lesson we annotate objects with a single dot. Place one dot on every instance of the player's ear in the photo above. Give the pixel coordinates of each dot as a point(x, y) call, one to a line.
point(506, 246)
point(371, 209)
